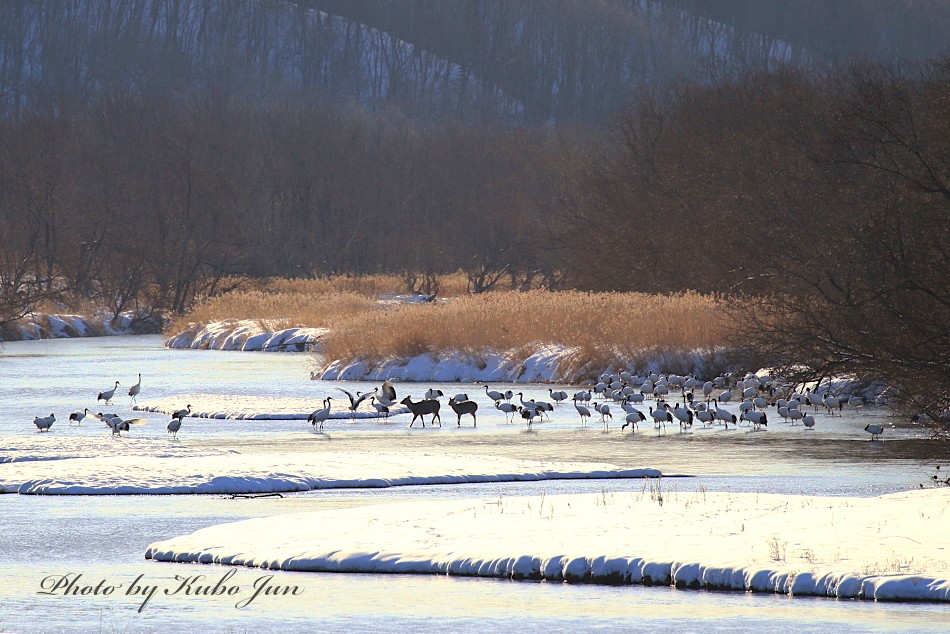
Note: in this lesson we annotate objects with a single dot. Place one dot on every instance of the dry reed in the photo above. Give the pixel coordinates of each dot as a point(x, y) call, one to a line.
point(275, 311)
point(603, 326)
point(283, 303)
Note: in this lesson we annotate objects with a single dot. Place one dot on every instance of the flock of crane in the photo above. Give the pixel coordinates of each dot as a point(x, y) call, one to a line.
point(114, 422)
point(754, 394)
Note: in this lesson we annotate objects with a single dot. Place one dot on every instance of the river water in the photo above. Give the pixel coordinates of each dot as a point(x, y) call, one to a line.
point(103, 538)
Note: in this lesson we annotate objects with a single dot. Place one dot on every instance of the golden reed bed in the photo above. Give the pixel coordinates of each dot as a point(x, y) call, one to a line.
point(602, 326)
point(285, 303)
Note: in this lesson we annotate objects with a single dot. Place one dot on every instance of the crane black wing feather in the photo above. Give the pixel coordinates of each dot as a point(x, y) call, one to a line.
point(352, 398)
point(362, 398)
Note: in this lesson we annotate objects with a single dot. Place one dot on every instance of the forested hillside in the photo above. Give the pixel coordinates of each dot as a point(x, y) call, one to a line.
point(835, 30)
point(518, 60)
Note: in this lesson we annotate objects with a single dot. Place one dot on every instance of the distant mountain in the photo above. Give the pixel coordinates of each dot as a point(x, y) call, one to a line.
point(837, 30)
point(518, 60)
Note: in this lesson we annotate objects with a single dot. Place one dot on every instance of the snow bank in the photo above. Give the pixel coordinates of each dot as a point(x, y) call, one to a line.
point(246, 335)
point(236, 407)
point(551, 363)
point(62, 326)
point(250, 335)
point(268, 473)
point(885, 548)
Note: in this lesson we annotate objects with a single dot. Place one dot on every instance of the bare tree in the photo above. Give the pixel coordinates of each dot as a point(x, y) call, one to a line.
point(870, 293)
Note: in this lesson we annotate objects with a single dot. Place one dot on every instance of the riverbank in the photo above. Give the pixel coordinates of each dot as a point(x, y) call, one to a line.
point(67, 325)
point(537, 363)
point(247, 335)
point(213, 326)
point(523, 337)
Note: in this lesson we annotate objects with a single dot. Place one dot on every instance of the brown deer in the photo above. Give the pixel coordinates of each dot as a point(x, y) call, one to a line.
point(420, 408)
point(464, 407)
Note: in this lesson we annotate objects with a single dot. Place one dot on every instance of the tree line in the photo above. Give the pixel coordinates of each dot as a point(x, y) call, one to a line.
point(820, 205)
point(149, 203)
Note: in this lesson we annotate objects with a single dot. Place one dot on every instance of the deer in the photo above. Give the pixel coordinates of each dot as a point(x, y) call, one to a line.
point(464, 407)
point(420, 408)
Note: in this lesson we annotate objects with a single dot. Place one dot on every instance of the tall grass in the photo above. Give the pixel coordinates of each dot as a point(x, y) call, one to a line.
point(283, 303)
point(603, 326)
point(275, 310)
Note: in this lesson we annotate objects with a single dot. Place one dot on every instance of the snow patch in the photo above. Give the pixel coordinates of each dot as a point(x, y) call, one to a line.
point(390, 300)
point(247, 335)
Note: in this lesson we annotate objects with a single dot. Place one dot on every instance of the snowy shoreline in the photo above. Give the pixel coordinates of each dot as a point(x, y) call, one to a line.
point(782, 544)
point(532, 364)
point(541, 363)
point(246, 335)
point(234, 473)
point(546, 363)
point(264, 335)
point(65, 326)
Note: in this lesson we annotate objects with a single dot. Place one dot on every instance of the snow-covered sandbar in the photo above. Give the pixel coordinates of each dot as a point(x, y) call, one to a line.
point(884, 548)
point(283, 472)
point(49, 447)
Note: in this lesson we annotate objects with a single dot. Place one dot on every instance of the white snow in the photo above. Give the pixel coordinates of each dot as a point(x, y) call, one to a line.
point(283, 472)
point(237, 407)
point(247, 335)
point(389, 300)
point(548, 363)
point(886, 548)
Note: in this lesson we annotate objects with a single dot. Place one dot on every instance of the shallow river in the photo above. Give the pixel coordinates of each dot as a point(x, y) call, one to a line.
point(104, 538)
